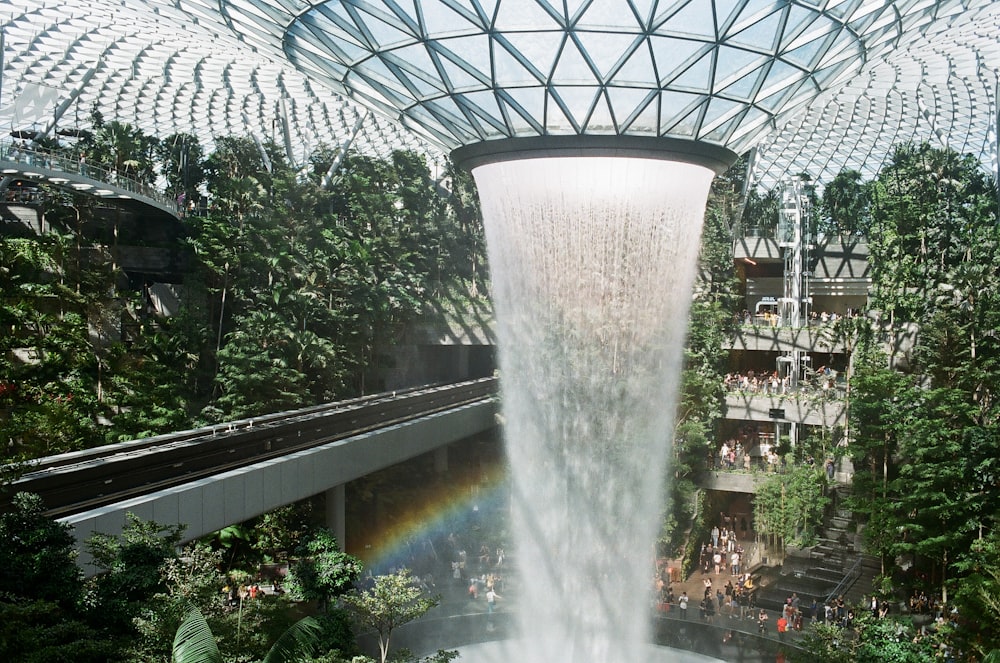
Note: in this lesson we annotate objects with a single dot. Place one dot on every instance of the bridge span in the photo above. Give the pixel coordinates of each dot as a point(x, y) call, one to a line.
point(216, 476)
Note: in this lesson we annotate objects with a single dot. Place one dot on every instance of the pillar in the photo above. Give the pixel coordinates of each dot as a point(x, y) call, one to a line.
point(336, 519)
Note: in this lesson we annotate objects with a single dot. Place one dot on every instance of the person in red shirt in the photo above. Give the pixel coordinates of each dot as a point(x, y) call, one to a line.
point(782, 627)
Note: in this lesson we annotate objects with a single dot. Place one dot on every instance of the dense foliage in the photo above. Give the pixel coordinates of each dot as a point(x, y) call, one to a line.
point(925, 412)
point(297, 289)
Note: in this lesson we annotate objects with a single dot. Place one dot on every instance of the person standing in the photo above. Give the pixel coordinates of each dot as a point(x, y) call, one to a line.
point(715, 536)
point(762, 621)
point(682, 604)
point(491, 600)
point(782, 627)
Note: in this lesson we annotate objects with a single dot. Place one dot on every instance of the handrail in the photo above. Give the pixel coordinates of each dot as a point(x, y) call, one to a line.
point(849, 579)
point(58, 162)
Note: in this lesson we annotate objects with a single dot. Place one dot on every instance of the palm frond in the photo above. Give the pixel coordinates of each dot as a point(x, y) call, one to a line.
point(194, 642)
point(300, 638)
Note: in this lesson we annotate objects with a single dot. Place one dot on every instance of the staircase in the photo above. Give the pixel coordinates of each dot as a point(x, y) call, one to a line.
point(834, 566)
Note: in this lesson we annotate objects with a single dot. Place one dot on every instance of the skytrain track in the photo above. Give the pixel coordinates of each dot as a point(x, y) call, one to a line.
point(83, 480)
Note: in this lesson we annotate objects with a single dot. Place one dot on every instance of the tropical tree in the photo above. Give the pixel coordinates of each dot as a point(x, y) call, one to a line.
point(392, 601)
point(935, 248)
point(873, 640)
point(123, 149)
point(790, 506)
point(846, 206)
point(42, 615)
point(129, 565)
point(38, 553)
point(978, 597)
point(321, 570)
point(181, 157)
point(881, 398)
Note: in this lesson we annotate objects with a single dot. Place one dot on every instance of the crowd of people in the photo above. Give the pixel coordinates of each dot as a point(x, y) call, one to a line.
point(821, 382)
point(771, 319)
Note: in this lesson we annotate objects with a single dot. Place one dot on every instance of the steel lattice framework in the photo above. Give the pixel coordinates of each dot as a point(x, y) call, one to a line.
point(816, 85)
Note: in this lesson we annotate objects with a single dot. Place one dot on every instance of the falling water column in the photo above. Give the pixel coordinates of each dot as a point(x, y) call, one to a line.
point(593, 260)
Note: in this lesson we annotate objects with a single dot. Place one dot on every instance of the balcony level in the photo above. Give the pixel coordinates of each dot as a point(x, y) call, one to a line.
point(759, 337)
point(815, 409)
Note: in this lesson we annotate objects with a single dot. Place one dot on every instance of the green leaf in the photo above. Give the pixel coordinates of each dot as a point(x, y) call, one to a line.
point(194, 642)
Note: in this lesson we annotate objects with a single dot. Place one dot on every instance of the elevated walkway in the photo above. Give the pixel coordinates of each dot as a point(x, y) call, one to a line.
point(813, 409)
point(215, 500)
point(71, 175)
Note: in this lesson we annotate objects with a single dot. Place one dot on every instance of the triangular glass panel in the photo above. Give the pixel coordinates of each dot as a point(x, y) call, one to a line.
point(626, 101)
point(735, 63)
point(609, 15)
point(760, 35)
point(474, 51)
point(844, 47)
point(523, 15)
point(805, 56)
point(727, 11)
point(644, 10)
point(376, 93)
point(431, 123)
point(525, 106)
point(419, 88)
point(692, 19)
point(829, 76)
point(376, 70)
point(383, 35)
point(602, 120)
point(310, 40)
point(439, 19)
point(574, 8)
point(487, 8)
point(572, 68)
point(554, 8)
point(674, 106)
point(672, 56)
point(460, 78)
point(887, 19)
point(485, 105)
point(719, 111)
point(800, 20)
point(745, 88)
point(403, 11)
point(340, 27)
point(449, 112)
point(805, 93)
point(577, 100)
point(509, 70)
point(780, 76)
point(556, 120)
point(539, 49)
point(840, 8)
point(720, 133)
point(753, 122)
point(862, 19)
point(684, 127)
point(417, 63)
point(637, 70)
point(697, 78)
point(606, 50)
point(470, 10)
point(647, 120)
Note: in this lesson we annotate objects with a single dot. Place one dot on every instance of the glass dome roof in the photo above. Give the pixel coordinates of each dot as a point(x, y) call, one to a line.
point(166, 68)
point(816, 85)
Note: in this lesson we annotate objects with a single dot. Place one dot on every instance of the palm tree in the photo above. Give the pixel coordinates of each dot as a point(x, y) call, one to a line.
point(195, 643)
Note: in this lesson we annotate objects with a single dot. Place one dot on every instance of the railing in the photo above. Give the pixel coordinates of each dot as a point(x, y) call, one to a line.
point(849, 579)
point(57, 162)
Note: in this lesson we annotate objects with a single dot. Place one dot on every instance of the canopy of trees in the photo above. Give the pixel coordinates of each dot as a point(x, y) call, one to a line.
point(295, 293)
